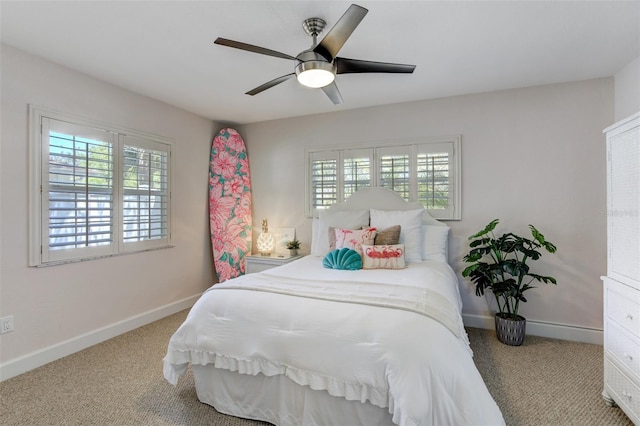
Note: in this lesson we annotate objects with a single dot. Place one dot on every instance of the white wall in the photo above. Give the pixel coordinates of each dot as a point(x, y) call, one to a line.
point(534, 155)
point(72, 304)
point(627, 90)
point(543, 142)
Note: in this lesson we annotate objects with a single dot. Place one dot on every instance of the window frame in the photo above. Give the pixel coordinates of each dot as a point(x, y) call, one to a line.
point(449, 143)
point(38, 186)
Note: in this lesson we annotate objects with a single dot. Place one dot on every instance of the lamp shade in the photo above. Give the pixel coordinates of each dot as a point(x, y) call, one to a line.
point(266, 242)
point(315, 73)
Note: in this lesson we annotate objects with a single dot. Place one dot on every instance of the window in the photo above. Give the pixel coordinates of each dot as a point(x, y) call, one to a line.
point(145, 191)
point(426, 172)
point(95, 190)
point(336, 174)
point(357, 173)
point(395, 170)
point(324, 179)
point(433, 170)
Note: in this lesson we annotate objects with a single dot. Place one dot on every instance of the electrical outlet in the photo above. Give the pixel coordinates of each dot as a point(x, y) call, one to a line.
point(6, 324)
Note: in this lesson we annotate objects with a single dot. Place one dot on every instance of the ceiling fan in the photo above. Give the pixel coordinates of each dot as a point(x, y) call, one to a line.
point(317, 67)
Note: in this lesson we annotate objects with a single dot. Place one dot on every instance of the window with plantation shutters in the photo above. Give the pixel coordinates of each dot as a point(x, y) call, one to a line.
point(324, 180)
point(427, 172)
point(434, 182)
point(336, 174)
point(357, 166)
point(145, 191)
point(95, 190)
point(394, 170)
point(77, 190)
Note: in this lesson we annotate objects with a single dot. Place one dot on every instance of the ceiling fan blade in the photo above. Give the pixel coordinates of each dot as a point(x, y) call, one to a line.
point(269, 84)
point(251, 48)
point(338, 35)
point(333, 93)
point(350, 66)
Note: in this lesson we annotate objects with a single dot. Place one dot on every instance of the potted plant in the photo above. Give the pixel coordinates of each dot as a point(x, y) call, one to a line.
point(499, 264)
point(293, 246)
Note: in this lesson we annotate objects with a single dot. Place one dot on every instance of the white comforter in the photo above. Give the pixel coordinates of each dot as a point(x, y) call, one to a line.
point(393, 338)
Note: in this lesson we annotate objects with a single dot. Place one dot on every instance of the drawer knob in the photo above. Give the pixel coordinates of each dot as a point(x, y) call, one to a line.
point(629, 316)
point(628, 356)
point(627, 395)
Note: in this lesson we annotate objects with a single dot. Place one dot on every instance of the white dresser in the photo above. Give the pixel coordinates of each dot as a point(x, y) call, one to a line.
point(622, 283)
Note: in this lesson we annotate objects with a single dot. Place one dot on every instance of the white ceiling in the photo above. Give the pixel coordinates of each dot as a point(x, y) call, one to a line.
point(165, 50)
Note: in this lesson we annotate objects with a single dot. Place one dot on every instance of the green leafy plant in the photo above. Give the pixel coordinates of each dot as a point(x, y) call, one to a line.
point(293, 244)
point(499, 264)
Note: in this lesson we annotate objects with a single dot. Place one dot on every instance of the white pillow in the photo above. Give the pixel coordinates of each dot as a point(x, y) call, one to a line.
point(348, 219)
point(434, 243)
point(410, 222)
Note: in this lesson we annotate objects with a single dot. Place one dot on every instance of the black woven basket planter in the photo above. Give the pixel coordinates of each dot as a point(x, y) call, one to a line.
point(509, 331)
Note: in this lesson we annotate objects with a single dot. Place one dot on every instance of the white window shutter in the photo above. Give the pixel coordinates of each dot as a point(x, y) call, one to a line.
point(395, 170)
point(357, 171)
point(435, 183)
point(78, 191)
point(145, 193)
point(323, 180)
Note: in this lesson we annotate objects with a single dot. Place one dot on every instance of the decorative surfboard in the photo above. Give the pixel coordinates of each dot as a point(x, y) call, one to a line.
point(229, 204)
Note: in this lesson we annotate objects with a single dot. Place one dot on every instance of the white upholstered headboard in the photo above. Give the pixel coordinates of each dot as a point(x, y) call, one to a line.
point(383, 199)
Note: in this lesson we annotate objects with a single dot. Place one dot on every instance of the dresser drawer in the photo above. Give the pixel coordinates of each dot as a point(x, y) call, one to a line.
point(625, 349)
point(623, 391)
point(257, 263)
point(623, 306)
point(252, 268)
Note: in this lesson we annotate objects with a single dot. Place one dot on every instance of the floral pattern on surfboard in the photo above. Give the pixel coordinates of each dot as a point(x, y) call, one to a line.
point(229, 204)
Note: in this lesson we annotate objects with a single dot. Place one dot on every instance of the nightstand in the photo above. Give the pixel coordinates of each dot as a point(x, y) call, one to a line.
point(258, 263)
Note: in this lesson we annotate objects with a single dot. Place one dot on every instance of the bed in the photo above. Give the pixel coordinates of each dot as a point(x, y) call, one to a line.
point(302, 344)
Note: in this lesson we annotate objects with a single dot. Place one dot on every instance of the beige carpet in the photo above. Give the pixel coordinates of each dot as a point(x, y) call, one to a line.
point(119, 382)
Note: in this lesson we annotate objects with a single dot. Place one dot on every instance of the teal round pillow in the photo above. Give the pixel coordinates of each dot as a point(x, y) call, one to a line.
point(344, 258)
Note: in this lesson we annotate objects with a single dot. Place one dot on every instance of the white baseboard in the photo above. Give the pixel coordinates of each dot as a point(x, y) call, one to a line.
point(41, 357)
point(543, 329)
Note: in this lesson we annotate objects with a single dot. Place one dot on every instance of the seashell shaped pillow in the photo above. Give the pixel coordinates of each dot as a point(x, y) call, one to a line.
point(343, 258)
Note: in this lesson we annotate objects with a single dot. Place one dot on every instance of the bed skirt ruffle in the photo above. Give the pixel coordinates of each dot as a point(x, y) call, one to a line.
point(176, 363)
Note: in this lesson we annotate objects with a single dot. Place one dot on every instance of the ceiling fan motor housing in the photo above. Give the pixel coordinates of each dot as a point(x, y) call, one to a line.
point(311, 60)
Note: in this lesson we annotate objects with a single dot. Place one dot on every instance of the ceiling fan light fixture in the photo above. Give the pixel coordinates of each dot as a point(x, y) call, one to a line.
point(315, 74)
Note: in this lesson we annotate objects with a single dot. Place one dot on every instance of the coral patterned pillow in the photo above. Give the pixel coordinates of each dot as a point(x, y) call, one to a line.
point(354, 238)
point(383, 257)
point(332, 237)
